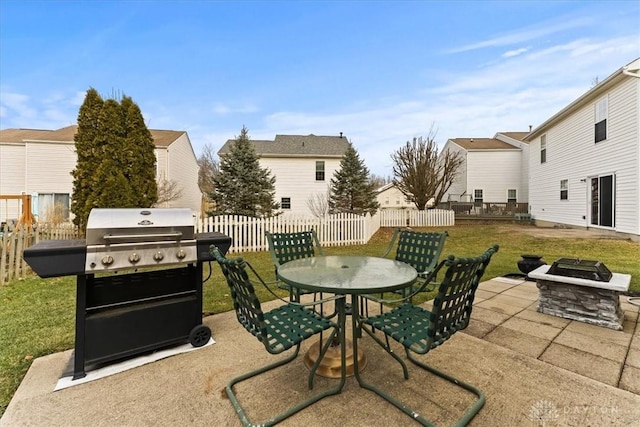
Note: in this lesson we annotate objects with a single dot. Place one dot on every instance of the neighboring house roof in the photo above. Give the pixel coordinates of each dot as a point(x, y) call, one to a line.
point(385, 188)
point(482, 144)
point(632, 70)
point(161, 138)
point(515, 135)
point(297, 146)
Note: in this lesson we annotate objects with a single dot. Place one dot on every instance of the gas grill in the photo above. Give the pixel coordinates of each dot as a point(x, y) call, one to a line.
point(139, 282)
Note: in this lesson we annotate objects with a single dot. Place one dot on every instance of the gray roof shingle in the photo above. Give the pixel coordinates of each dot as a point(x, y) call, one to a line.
point(297, 146)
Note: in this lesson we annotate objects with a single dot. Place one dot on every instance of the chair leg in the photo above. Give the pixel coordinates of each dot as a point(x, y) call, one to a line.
point(387, 348)
point(471, 412)
point(283, 415)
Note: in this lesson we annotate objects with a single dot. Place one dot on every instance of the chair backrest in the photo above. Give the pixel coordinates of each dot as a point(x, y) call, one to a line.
point(245, 301)
point(285, 247)
point(452, 306)
point(419, 249)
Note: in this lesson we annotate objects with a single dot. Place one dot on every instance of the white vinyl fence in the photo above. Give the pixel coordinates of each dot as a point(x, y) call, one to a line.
point(248, 233)
point(415, 218)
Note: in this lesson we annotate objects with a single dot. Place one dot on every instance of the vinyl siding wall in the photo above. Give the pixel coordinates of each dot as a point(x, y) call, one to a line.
point(459, 186)
point(494, 171)
point(572, 154)
point(296, 179)
point(182, 167)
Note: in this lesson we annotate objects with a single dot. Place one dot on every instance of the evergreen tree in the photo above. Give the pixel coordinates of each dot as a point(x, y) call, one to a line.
point(88, 155)
point(116, 165)
point(351, 189)
point(242, 187)
point(141, 157)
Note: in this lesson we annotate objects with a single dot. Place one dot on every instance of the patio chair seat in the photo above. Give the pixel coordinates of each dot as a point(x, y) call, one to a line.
point(289, 325)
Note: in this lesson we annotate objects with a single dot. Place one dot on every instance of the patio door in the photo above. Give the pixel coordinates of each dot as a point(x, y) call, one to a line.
point(603, 206)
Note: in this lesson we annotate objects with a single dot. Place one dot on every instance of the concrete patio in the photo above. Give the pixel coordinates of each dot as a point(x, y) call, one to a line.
point(533, 368)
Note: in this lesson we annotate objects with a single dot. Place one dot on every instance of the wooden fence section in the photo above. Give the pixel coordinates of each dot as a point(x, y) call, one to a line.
point(13, 243)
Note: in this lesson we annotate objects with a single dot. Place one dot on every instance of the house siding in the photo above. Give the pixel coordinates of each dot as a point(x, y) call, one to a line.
point(572, 154)
point(182, 167)
point(49, 166)
point(494, 172)
point(392, 198)
point(296, 179)
point(459, 186)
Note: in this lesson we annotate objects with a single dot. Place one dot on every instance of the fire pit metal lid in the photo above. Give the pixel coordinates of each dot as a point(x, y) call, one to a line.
point(585, 269)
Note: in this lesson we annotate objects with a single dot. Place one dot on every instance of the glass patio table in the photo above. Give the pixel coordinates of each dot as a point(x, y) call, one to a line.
point(347, 275)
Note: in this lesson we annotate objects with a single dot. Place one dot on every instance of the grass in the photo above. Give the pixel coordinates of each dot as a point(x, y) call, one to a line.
point(37, 315)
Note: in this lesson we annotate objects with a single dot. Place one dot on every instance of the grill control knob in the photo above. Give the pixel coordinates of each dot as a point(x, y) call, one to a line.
point(133, 258)
point(181, 254)
point(107, 260)
point(158, 256)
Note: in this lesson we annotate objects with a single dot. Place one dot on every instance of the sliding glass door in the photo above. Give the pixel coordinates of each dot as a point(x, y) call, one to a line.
point(603, 202)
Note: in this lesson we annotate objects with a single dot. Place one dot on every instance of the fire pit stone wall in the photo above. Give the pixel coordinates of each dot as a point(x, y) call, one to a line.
point(588, 301)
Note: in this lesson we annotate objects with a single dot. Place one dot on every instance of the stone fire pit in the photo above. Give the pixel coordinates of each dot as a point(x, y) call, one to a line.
point(585, 300)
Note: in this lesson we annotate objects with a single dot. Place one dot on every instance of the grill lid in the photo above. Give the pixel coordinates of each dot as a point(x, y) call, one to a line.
point(115, 226)
point(584, 269)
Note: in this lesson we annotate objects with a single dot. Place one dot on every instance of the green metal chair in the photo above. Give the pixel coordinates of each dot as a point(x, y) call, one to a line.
point(285, 247)
point(278, 330)
point(419, 330)
point(419, 249)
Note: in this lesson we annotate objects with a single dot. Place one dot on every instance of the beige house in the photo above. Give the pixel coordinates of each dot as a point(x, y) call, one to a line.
point(389, 197)
point(303, 166)
point(494, 169)
point(39, 163)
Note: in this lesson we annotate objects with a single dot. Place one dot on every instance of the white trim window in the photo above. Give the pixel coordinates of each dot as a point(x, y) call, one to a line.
point(285, 203)
point(601, 114)
point(53, 207)
point(478, 197)
point(320, 170)
point(543, 148)
point(512, 195)
point(564, 189)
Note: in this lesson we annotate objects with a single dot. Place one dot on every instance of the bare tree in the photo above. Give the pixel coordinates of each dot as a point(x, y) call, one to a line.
point(420, 173)
point(168, 190)
point(379, 180)
point(208, 169)
point(318, 204)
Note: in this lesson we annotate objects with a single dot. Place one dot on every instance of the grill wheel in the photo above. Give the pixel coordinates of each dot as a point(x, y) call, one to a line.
point(199, 335)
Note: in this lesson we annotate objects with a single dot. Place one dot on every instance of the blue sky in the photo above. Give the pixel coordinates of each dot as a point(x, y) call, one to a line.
point(382, 72)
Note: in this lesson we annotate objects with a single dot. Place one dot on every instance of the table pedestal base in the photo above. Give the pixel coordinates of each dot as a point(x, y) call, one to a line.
point(330, 366)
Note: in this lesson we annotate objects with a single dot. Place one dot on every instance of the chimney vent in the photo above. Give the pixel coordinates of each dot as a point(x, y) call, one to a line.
point(340, 134)
point(471, 140)
point(530, 127)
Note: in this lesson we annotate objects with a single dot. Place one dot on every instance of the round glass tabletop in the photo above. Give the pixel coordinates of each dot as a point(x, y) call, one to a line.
point(342, 274)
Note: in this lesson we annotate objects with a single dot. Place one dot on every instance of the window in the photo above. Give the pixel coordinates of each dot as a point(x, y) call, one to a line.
point(512, 195)
point(477, 197)
point(601, 120)
point(320, 171)
point(564, 189)
point(543, 148)
point(53, 207)
point(285, 203)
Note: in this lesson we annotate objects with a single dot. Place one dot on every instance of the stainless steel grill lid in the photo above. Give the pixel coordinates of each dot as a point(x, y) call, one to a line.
point(110, 226)
point(133, 238)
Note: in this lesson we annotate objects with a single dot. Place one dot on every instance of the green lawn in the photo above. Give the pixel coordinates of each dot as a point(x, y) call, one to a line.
point(37, 315)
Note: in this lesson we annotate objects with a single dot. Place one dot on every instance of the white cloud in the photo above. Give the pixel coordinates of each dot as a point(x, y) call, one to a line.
point(526, 34)
point(515, 52)
point(225, 109)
